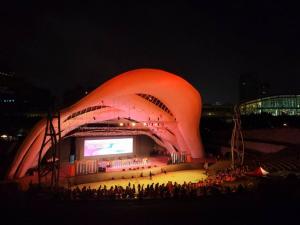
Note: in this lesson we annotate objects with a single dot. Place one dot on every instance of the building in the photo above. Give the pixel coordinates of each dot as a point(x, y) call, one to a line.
point(20, 103)
point(147, 102)
point(275, 105)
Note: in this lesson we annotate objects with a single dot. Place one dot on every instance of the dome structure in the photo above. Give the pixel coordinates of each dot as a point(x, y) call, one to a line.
point(157, 103)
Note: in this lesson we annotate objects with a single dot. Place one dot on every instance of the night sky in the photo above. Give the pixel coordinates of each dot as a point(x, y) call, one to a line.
point(209, 43)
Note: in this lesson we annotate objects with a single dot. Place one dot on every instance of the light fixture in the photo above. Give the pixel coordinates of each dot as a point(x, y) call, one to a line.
point(4, 136)
point(121, 124)
point(145, 124)
point(133, 124)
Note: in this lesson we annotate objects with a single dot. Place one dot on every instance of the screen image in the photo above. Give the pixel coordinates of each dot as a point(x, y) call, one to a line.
point(98, 147)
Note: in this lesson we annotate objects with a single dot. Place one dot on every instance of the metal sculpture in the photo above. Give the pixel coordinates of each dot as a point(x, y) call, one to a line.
point(237, 140)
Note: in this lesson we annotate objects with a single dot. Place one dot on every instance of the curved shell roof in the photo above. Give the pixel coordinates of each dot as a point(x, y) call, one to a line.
point(143, 95)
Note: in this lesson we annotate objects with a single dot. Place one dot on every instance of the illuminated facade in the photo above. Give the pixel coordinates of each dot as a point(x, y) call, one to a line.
point(275, 105)
point(151, 102)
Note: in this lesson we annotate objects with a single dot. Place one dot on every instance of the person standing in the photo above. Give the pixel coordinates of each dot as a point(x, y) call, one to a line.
point(206, 167)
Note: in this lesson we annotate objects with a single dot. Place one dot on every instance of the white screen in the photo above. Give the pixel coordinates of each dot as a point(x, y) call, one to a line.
point(98, 147)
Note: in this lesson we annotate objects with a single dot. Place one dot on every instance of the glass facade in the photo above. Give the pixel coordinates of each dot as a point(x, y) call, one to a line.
point(275, 105)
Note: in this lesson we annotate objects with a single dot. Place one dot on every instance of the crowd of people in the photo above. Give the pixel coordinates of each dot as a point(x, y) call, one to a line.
point(153, 191)
point(214, 184)
point(230, 174)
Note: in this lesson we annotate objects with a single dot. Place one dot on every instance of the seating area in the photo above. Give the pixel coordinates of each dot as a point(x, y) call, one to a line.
point(286, 160)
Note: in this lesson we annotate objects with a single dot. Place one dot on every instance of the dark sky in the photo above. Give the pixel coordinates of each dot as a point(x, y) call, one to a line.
point(209, 43)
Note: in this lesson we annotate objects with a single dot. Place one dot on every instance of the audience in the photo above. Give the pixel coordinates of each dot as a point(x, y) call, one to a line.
point(213, 185)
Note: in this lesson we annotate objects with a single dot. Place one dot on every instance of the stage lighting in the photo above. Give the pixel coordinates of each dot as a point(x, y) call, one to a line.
point(121, 124)
point(133, 124)
point(4, 136)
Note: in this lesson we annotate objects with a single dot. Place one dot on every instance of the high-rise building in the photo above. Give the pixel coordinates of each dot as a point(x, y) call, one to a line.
point(20, 103)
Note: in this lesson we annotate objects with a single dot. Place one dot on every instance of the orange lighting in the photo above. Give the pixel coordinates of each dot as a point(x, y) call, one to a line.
point(172, 90)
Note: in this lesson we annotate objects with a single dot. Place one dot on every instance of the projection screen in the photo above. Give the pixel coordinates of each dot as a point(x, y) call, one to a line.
point(114, 146)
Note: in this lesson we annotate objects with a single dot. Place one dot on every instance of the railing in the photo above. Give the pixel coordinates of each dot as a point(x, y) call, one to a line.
point(179, 157)
point(84, 167)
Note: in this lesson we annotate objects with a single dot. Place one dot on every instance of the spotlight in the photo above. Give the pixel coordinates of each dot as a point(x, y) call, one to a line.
point(121, 124)
point(145, 124)
point(4, 136)
point(133, 124)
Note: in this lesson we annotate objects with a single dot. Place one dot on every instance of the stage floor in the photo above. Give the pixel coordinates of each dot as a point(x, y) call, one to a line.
point(180, 177)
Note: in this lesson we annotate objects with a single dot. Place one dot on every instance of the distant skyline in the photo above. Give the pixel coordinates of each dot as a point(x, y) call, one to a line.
point(209, 43)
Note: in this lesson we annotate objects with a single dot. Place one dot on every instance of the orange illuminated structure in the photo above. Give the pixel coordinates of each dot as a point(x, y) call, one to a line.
point(154, 102)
